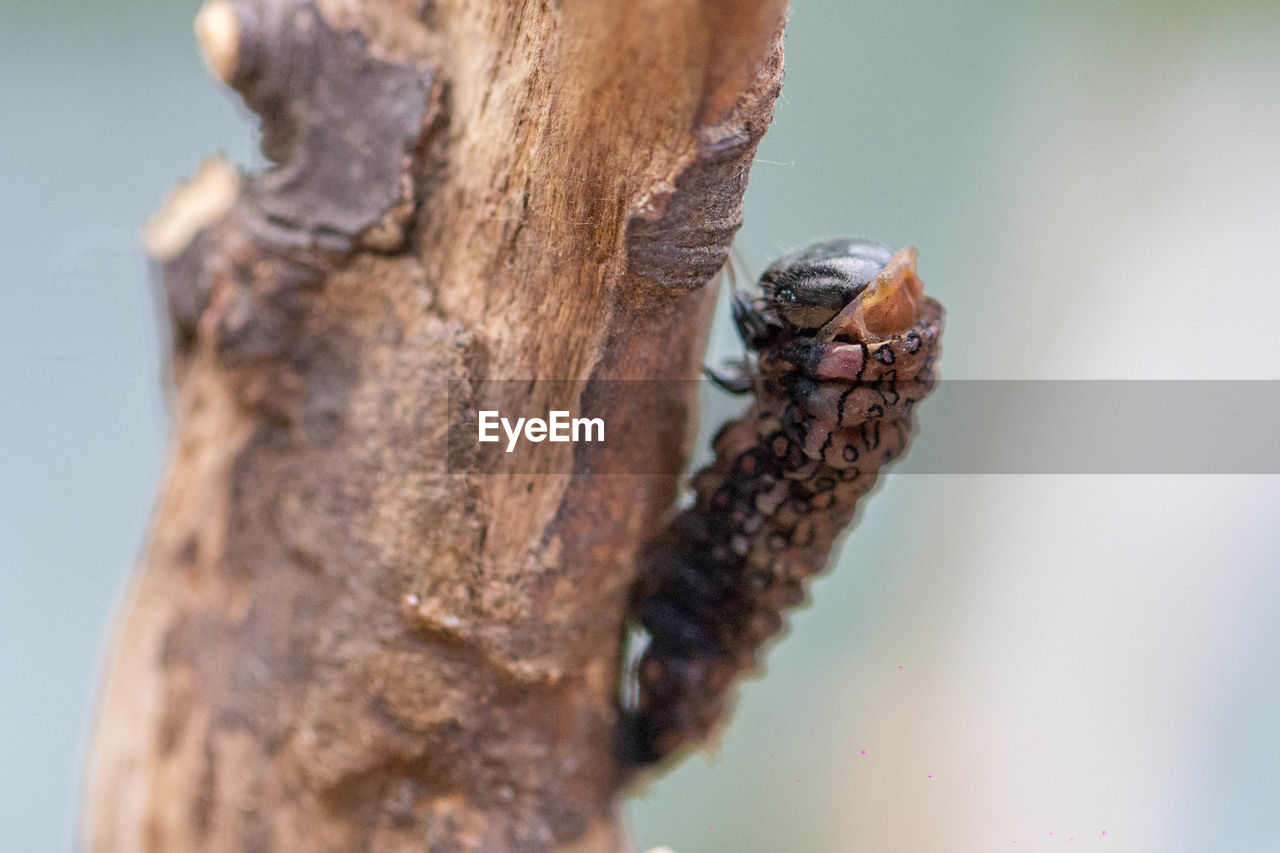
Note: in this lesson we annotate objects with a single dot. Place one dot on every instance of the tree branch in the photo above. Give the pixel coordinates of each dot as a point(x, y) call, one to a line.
point(335, 643)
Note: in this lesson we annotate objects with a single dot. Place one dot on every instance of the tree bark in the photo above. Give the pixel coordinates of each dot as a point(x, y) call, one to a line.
point(336, 643)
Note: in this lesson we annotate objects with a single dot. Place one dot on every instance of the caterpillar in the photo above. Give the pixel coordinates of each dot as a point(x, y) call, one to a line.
point(841, 345)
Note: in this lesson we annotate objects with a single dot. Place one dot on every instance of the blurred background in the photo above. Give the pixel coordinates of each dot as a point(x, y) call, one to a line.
point(996, 662)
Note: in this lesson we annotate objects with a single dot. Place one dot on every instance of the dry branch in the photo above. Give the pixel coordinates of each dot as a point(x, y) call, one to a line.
point(335, 644)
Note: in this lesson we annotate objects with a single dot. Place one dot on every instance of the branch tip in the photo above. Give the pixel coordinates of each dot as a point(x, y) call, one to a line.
point(190, 208)
point(218, 31)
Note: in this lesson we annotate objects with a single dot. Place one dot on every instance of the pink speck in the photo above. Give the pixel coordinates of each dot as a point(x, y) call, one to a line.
point(1104, 832)
point(899, 667)
point(930, 775)
point(864, 752)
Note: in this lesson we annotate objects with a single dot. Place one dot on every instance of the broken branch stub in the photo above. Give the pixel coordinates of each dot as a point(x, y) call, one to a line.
point(343, 129)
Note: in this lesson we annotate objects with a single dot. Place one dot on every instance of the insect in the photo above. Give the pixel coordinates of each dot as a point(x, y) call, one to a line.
point(841, 346)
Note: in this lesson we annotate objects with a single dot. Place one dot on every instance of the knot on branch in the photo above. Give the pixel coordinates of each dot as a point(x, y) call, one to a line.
point(344, 129)
point(680, 233)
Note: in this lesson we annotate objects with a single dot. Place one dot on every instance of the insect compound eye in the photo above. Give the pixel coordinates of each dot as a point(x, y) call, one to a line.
point(811, 295)
point(808, 288)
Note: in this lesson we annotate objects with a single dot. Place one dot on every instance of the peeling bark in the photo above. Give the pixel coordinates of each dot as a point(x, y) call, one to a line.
point(334, 643)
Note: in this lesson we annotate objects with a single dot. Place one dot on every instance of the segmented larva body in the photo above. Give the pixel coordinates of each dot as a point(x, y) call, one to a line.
point(844, 344)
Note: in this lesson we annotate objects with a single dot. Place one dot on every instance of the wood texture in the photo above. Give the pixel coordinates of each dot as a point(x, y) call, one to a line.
point(334, 643)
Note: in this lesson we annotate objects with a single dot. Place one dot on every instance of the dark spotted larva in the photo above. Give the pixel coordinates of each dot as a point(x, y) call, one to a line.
point(844, 344)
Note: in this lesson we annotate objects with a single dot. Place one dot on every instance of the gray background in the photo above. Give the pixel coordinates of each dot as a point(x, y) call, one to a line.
point(1096, 194)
